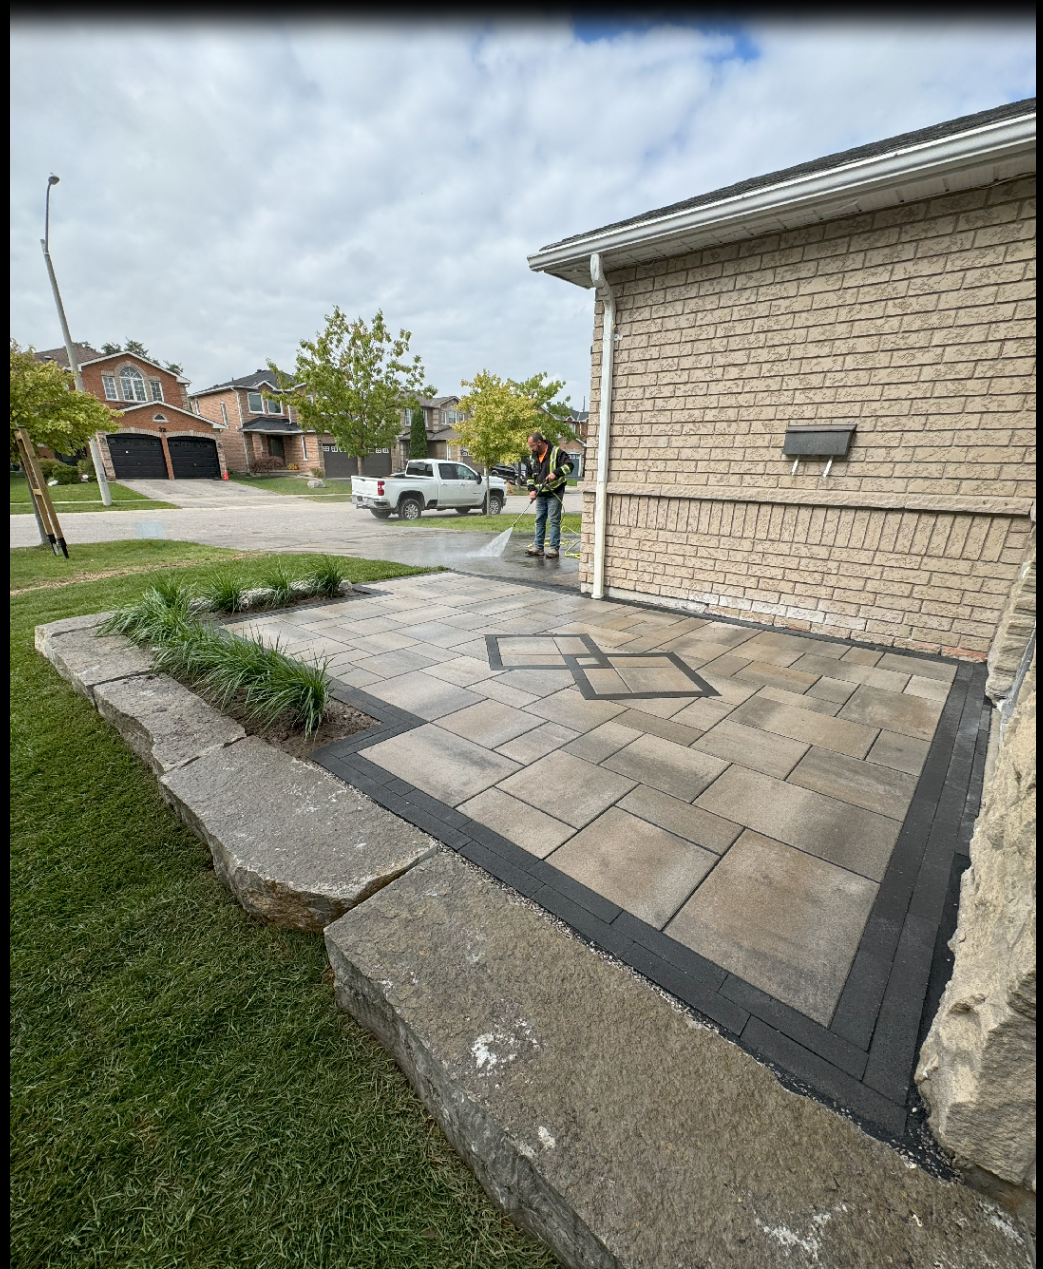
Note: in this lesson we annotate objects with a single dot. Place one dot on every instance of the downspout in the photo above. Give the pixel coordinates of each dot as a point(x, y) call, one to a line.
point(608, 330)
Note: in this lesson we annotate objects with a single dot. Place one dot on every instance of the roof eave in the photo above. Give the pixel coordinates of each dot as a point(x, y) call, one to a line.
point(980, 156)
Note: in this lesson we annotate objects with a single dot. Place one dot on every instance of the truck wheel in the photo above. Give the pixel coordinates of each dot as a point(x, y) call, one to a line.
point(409, 509)
point(495, 505)
point(463, 511)
point(381, 513)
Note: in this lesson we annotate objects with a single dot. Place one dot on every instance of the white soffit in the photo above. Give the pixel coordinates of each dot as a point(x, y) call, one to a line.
point(980, 156)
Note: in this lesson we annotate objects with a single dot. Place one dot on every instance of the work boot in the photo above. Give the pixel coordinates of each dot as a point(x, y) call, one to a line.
point(534, 550)
point(551, 553)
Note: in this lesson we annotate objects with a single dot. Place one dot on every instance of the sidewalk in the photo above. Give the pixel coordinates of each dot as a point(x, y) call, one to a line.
point(763, 823)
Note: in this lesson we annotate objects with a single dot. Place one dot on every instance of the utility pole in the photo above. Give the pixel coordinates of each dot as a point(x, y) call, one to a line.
point(74, 366)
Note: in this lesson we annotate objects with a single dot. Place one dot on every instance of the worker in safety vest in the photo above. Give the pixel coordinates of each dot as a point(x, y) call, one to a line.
point(549, 469)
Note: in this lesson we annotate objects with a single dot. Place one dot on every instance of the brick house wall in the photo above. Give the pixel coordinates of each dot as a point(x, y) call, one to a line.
point(142, 422)
point(912, 323)
point(174, 393)
point(243, 448)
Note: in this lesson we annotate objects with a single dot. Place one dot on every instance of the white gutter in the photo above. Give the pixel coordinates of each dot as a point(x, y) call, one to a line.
point(608, 331)
point(974, 155)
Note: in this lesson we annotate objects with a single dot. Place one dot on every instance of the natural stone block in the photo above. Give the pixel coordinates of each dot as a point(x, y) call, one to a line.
point(86, 658)
point(164, 722)
point(977, 1065)
point(295, 846)
point(608, 1122)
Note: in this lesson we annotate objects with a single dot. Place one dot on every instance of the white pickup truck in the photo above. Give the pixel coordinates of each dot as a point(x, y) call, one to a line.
point(426, 485)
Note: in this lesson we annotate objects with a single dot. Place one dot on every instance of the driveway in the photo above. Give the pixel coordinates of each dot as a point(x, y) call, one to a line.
point(225, 513)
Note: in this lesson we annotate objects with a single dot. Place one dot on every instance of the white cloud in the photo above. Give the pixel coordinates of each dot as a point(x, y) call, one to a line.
point(223, 186)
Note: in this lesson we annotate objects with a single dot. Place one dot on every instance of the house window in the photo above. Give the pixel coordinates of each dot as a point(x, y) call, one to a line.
point(275, 407)
point(330, 449)
point(255, 402)
point(132, 384)
point(156, 389)
point(159, 418)
point(224, 414)
point(108, 382)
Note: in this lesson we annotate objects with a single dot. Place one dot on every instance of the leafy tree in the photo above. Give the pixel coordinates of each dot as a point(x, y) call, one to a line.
point(175, 368)
point(502, 413)
point(137, 348)
point(354, 381)
point(417, 434)
point(45, 401)
point(110, 348)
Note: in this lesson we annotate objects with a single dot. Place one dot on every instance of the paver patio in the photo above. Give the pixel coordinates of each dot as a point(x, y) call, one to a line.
point(766, 824)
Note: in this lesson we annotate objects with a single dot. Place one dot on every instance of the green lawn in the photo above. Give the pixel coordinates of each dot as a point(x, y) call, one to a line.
point(184, 1090)
point(297, 486)
point(75, 498)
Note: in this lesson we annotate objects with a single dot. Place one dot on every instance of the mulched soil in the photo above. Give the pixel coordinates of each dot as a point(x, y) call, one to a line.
point(340, 720)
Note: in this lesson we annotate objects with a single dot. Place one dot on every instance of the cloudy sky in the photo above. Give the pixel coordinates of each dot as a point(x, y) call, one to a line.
point(224, 185)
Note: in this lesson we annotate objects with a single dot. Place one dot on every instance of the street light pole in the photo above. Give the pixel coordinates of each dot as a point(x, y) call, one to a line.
point(99, 467)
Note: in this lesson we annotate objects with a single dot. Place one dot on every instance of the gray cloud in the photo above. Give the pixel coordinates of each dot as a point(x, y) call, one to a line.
point(223, 186)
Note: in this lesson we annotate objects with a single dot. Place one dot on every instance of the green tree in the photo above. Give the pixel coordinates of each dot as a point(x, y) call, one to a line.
point(502, 413)
point(417, 434)
point(45, 401)
point(110, 348)
point(137, 348)
point(353, 380)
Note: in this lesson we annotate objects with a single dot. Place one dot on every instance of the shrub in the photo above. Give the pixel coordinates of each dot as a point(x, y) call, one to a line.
point(64, 474)
point(47, 466)
point(279, 584)
point(86, 468)
point(327, 576)
point(226, 592)
point(318, 473)
point(160, 615)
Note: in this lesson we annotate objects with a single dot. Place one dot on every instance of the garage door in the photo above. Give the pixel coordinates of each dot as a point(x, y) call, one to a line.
point(338, 464)
point(139, 457)
point(193, 457)
point(378, 464)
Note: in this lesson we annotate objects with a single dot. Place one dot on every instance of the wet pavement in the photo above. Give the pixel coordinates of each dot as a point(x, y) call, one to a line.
point(741, 813)
point(242, 518)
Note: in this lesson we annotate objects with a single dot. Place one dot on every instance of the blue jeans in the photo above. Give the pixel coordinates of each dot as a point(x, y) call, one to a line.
point(548, 515)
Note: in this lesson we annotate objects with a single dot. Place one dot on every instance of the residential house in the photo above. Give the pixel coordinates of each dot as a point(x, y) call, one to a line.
point(817, 390)
point(263, 432)
point(159, 437)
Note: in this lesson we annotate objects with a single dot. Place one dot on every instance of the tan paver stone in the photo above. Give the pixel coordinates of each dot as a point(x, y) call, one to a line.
point(497, 690)
point(803, 724)
point(794, 680)
point(602, 742)
point(423, 695)
point(520, 822)
point(915, 665)
point(370, 626)
point(528, 659)
point(357, 678)
point(902, 753)
point(572, 645)
point(866, 784)
point(391, 664)
point(605, 682)
point(387, 641)
point(638, 865)
point(861, 656)
point(723, 634)
point(473, 648)
point(806, 701)
point(846, 835)
point(663, 765)
point(426, 612)
point(601, 635)
point(784, 921)
point(850, 672)
point(728, 689)
point(539, 682)
point(833, 690)
point(653, 725)
point(543, 646)
point(705, 713)
point(536, 744)
point(751, 747)
point(436, 632)
point(712, 657)
point(447, 767)
point(660, 706)
point(929, 689)
point(571, 710)
point(489, 723)
point(573, 790)
point(910, 715)
point(662, 678)
point(463, 671)
point(681, 818)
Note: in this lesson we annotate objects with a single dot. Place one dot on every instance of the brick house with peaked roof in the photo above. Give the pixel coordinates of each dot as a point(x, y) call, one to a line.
point(159, 437)
point(817, 389)
point(263, 434)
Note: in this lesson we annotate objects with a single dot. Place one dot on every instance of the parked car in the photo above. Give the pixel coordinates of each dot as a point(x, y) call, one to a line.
point(513, 475)
point(427, 486)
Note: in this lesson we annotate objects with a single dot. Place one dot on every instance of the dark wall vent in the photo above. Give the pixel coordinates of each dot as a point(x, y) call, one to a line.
point(829, 441)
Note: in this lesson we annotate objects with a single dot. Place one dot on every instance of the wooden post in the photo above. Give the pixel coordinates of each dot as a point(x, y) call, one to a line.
point(40, 494)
